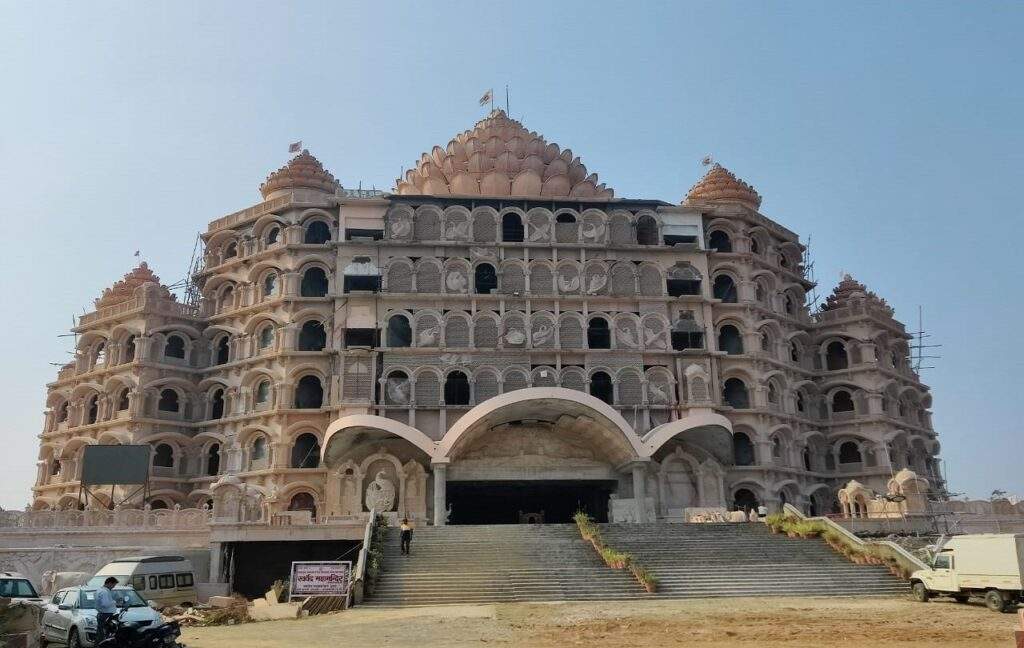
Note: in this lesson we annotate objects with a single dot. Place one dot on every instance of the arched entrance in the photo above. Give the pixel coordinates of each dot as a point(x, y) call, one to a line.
point(537, 454)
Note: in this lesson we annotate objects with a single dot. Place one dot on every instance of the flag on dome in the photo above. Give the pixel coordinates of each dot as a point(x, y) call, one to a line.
point(488, 96)
point(295, 147)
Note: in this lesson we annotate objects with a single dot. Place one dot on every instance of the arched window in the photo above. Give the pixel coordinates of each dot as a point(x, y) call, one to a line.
point(647, 230)
point(399, 332)
point(213, 460)
point(269, 285)
point(456, 389)
point(725, 289)
point(734, 394)
point(227, 299)
point(266, 337)
point(217, 404)
point(485, 279)
point(849, 453)
point(842, 401)
point(62, 412)
point(175, 347)
point(601, 387)
point(223, 350)
point(306, 451)
point(599, 336)
point(773, 394)
point(263, 392)
point(742, 449)
point(800, 406)
point(683, 279)
point(312, 336)
point(806, 454)
point(719, 241)
point(511, 228)
point(129, 348)
point(565, 218)
point(303, 502)
point(101, 355)
point(92, 409)
point(755, 245)
point(790, 305)
point(272, 234)
point(168, 401)
point(158, 505)
point(835, 356)
point(123, 400)
point(730, 340)
point(314, 283)
point(317, 233)
point(794, 352)
point(231, 250)
point(259, 448)
point(164, 456)
point(309, 394)
point(55, 468)
point(776, 446)
point(745, 500)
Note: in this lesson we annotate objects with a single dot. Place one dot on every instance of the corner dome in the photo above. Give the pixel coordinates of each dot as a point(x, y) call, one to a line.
point(499, 157)
point(850, 290)
point(302, 172)
point(124, 289)
point(721, 185)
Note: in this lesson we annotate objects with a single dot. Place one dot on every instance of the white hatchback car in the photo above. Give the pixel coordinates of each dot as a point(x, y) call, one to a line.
point(15, 586)
point(69, 617)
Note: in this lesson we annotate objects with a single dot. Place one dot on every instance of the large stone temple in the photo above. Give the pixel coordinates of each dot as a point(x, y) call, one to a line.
point(499, 339)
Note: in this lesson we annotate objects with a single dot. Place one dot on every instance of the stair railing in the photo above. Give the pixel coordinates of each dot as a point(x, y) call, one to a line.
point(357, 589)
point(906, 560)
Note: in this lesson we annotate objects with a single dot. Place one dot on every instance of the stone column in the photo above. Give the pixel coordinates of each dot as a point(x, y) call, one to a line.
point(440, 495)
point(640, 492)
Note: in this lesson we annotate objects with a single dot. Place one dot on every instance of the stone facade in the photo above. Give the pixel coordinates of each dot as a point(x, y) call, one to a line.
point(501, 316)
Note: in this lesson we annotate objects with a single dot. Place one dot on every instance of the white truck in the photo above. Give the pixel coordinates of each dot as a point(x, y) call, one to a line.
point(989, 565)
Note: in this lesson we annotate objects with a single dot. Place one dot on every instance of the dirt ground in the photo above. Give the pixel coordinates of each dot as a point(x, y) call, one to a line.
point(714, 623)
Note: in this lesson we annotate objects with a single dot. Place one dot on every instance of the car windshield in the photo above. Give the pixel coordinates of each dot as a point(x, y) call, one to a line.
point(123, 597)
point(17, 588)
point(97, 581)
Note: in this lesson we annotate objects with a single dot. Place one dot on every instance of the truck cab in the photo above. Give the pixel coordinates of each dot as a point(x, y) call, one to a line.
point(988, 565)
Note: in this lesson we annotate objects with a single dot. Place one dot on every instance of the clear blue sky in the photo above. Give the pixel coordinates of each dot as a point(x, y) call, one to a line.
point(890, 133)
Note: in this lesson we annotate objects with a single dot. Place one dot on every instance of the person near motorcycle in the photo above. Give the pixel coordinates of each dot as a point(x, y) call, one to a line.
point(106, 607)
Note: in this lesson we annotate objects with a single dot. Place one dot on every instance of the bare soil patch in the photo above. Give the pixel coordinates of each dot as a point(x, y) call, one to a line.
point(714, 623)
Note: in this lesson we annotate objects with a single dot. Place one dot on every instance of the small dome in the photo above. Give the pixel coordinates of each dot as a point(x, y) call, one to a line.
point(124, 289)
point(848, 290)
point(721, 185)
point(302, 172)
point(499, 157)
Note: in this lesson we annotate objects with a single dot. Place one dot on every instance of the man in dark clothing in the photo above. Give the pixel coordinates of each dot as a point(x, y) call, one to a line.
point(406, 536)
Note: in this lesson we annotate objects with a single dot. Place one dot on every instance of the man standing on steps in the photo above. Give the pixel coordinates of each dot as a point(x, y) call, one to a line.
point(406, 536)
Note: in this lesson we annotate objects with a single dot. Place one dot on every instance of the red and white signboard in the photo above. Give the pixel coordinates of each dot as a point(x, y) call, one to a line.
point(320, 578)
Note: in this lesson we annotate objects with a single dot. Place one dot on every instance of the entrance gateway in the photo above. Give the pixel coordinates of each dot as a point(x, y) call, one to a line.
point(528, 456)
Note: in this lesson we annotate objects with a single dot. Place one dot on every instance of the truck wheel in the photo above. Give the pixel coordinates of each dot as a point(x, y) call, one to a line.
point(921, 593)
point(995, 601)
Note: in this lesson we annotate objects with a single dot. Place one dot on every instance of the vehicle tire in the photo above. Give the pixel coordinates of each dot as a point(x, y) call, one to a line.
point(961, 598)
point(995, 601)
point(73, 639)
point(920, 592)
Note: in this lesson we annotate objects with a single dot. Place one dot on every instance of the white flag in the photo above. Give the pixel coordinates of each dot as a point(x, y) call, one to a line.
point(295, 147)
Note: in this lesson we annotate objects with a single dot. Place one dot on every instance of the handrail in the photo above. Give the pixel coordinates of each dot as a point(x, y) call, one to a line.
point(356, 591)
point(900, 554)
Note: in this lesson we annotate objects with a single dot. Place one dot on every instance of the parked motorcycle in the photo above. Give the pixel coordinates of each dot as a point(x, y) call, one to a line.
point(133, 634)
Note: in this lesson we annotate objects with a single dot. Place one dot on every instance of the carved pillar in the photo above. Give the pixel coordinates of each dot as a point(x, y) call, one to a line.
point(440, 495)
point(640, 492)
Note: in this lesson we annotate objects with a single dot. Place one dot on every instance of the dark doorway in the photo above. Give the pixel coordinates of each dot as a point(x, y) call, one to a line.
point(500, 502)
point(258, 564)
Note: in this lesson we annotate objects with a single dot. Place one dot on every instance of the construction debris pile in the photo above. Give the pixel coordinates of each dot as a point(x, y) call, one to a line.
point(231, 610)
point(220, 610)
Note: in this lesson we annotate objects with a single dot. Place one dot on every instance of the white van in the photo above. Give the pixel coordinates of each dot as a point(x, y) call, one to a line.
point(163, 580)
point(989, 565)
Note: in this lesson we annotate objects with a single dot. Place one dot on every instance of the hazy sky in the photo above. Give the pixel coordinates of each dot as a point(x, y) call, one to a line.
point(888, 134)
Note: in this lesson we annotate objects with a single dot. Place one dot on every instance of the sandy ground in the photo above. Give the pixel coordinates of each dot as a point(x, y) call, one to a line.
point(794, 622)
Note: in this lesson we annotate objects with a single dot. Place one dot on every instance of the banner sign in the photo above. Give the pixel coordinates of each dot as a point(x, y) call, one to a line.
point(320, 578)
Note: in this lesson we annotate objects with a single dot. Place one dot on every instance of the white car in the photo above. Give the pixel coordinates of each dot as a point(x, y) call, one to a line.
point(15, 586)
point(69, 617)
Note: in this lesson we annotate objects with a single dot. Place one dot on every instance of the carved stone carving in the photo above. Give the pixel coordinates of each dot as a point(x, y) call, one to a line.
point(398, 388)
point(380, 494)
point(455, 281)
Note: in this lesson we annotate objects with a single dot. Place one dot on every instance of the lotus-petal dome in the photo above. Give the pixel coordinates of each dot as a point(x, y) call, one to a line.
point(124, 289)
point(849, 289)
point(499, 157)
point(302, 172)
point(721, 185)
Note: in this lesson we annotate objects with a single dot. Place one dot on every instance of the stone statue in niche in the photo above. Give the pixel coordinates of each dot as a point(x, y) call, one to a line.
point(398, 389)
point(428, 336)
point(380, 494)
point(540, 231)
point(456, 282)
point(654, 336)
point(542, 335)
point(400, 228)
point(658, 394)
point(594, 232)
point(597, 283)
point(457, 230)
point(568, 284)
point(514, 336)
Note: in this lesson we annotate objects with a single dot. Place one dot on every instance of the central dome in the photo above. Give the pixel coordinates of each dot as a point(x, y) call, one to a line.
point(499, 157)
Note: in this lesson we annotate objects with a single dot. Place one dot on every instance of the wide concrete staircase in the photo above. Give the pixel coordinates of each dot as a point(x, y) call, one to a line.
point(497, 563)
point(718, 560)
